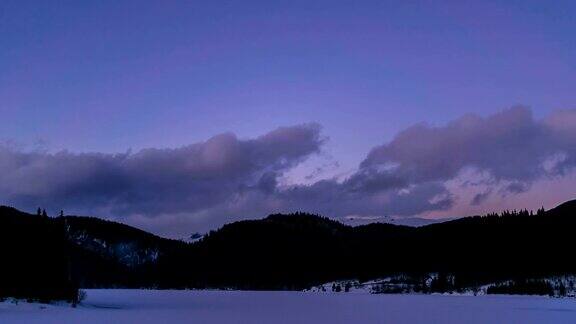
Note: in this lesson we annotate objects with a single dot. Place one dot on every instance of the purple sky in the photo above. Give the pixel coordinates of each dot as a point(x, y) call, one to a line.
point(252, 107)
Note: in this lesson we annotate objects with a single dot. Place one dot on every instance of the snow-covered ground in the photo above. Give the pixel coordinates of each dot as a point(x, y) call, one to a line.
point(149, 306)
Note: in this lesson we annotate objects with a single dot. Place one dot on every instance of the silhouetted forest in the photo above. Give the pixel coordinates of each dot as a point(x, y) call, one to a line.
point(48, 258)
point(35, 258)
point(300, 250)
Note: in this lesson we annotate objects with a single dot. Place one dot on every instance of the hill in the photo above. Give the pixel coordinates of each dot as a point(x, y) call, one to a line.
point(296, 251)
point(49, 258)
point(293, 251)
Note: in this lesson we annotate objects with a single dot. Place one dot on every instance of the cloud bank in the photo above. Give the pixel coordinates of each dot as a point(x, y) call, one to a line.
point(225, 178)
point(510, 146)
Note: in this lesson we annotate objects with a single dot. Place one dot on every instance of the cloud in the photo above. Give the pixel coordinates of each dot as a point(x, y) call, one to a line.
point(511, 146)
point(424, 169)
point(480, 197)
point(154, 181)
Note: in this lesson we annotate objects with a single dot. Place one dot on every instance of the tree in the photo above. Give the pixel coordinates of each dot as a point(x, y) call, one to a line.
point(61, 213)
point(347, 287)
point(562, 289)
point(44, 214)
point(441, 283)
point(336, 288)
point(39, 212)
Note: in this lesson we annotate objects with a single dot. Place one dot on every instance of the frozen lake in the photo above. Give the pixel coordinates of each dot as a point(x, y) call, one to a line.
point(148, 306)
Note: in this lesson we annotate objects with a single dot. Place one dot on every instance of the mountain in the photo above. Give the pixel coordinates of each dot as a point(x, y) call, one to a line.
point(566, 209)
point(75, 251)
point(296, 251)
point(407, 221)
point(113, 254)
point(293, 251)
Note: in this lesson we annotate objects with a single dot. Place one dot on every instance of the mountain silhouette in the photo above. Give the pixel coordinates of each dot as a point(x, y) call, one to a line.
point(51, 257)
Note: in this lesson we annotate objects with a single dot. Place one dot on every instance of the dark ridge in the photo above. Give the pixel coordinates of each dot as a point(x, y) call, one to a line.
point(292, 251)
point(564, 209)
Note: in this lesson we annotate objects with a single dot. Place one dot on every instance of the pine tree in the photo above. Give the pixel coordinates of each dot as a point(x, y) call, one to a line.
point(44, 214)
point(562, 289)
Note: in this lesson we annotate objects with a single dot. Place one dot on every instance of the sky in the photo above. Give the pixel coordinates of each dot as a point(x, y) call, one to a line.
point(180, 116)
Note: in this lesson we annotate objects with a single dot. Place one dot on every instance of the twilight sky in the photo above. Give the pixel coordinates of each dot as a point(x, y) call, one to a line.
point(179, 116)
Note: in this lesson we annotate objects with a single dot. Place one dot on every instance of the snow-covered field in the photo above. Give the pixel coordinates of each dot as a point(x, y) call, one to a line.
point(148, 306)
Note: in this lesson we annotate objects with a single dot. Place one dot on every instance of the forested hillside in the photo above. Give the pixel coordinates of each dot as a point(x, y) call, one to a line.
point(44, 256)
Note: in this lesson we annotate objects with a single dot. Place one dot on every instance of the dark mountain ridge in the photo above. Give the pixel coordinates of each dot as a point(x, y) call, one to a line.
point(296, 251)
point(287, 251)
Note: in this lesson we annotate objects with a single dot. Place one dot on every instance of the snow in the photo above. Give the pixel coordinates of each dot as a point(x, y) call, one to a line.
point(405, 284)
point(196, 237)
point(166, 306)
